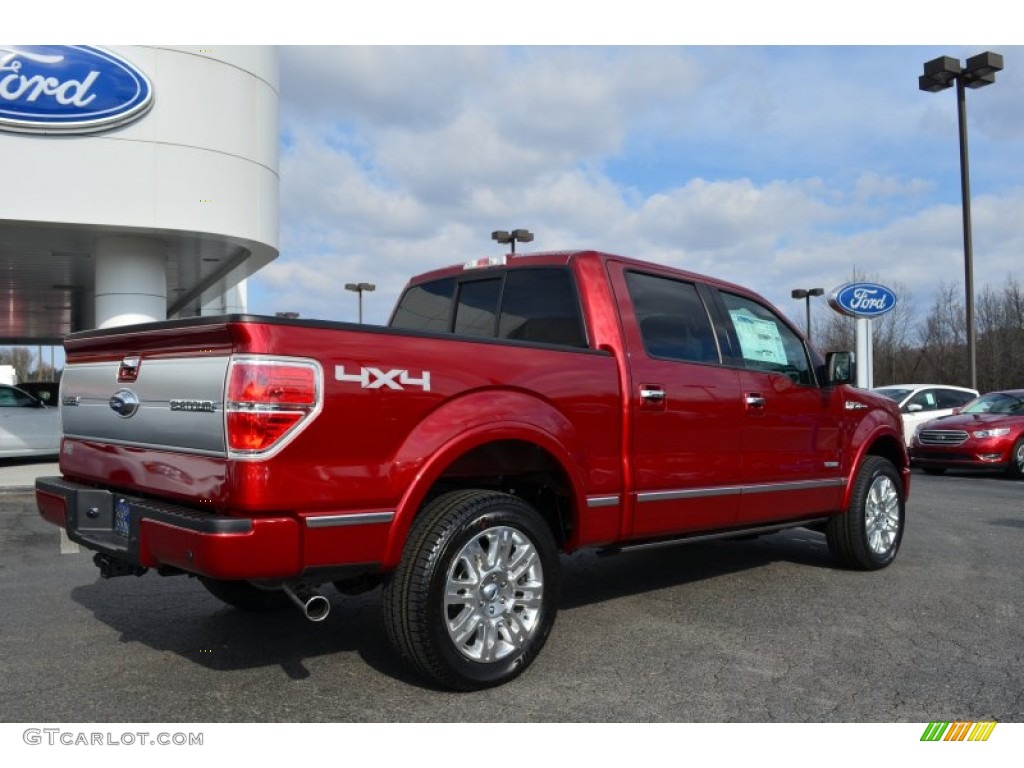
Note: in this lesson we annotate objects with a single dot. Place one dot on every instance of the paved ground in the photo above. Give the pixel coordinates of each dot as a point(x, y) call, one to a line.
point(766, 630)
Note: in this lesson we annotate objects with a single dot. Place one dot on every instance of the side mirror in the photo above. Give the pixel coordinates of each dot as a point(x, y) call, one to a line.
point(839, 367)
point(914, 407)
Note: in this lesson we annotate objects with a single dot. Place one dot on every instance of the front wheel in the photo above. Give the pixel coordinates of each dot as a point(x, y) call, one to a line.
point(868, 535)
point(473, 600)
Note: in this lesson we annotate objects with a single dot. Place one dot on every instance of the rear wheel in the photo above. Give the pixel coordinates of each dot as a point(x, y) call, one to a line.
point(473, 600)
point(868, 535)
point(244, 596)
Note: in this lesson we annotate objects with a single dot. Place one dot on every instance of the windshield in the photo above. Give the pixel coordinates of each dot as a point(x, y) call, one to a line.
point(894, 394)
point(995, 402)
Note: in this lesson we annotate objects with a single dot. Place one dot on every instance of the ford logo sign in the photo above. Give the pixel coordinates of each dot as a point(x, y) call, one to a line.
point(862, 300)
point(124, 403)
point(68, 89)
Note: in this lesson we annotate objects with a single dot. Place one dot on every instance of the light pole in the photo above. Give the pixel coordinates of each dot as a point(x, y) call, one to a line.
point(805, 294)
point(359, 288)
point(520, 235)
point(939, 74)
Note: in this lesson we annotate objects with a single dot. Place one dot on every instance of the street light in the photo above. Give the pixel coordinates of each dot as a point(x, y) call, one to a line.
point(520, 235)
point(939, 74)
point(806, 293)
point(359, 288)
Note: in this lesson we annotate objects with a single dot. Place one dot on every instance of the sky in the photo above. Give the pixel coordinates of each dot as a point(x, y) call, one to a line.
point(778, 145)
point(777, 167)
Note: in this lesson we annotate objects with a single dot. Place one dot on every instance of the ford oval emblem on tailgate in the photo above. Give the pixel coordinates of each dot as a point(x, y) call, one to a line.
point(124, 403)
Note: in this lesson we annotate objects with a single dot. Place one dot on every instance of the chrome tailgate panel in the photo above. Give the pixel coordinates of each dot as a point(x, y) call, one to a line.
point(174, 404)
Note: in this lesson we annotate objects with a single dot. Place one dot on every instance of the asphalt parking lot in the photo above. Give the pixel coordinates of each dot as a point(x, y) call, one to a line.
point(756, 631)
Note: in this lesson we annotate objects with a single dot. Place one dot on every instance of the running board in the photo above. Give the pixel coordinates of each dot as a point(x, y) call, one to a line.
point(732, 533)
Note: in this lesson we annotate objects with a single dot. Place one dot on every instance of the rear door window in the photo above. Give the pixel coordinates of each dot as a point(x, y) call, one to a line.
point(673, 321)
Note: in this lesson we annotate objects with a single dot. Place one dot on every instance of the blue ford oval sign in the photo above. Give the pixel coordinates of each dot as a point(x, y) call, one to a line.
point(68, 89)
point(862, 300)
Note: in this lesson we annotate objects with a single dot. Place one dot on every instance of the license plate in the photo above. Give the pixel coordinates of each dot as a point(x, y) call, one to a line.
point(122, 517)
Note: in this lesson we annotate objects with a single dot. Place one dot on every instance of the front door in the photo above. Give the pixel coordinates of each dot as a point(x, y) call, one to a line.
point(791, 454)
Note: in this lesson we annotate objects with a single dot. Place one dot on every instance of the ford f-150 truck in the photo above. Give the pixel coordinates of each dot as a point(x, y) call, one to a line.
point(515, 408)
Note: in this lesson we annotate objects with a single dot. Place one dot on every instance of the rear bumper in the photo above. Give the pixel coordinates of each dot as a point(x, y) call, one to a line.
point(150, 533)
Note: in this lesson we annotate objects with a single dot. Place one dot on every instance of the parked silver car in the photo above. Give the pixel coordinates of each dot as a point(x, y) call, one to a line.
point(27, 426)
point(923, 402)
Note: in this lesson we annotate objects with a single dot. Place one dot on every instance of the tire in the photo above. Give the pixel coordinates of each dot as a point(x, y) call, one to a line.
point(933, 470)
point(244, 596)
point(475, 595)
point(1016, 465)
point(867, 536)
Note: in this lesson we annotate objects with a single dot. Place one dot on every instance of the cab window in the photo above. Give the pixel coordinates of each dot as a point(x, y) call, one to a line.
point(765, 341)
point(531, 304)
point(426, 307)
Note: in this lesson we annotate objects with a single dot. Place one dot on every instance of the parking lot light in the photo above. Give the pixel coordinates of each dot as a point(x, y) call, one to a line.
point(940, 74)
point(806, 294)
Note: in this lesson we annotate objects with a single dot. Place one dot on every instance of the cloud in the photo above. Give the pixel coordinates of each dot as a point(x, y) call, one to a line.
point(772, 167)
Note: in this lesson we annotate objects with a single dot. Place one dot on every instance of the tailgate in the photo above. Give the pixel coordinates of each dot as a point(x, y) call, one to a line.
point(172, 404)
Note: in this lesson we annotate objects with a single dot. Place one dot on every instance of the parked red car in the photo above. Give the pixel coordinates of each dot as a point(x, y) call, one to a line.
point(987, 433)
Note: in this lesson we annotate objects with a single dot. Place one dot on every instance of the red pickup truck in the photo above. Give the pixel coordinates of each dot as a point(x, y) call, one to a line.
point(515, 408)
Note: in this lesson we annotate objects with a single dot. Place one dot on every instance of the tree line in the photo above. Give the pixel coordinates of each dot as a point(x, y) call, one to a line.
point(933, 350)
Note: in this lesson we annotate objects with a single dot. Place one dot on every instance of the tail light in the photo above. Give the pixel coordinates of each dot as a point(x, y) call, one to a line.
point(268, 402)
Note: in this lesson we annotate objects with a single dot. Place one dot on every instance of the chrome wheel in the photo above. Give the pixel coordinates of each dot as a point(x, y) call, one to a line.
point(882, 515)
point(475, 595)
point(868, 535)
point(494, 594)
point(1018, 459)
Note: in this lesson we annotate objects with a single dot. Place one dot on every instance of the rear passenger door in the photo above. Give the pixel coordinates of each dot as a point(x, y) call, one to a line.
point(791, 455)
point(685, 407)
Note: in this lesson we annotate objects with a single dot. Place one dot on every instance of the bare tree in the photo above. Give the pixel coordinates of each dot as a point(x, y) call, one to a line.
point(943, 339)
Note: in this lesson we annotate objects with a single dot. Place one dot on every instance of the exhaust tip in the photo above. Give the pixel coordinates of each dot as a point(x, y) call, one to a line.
point(317, 608)
point(313, 605)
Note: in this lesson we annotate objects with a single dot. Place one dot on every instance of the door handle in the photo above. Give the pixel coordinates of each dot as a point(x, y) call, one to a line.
point(754, 401)
point(652, 394)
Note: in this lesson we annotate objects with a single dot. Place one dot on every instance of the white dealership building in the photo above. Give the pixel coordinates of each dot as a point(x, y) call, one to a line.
point(141, 183)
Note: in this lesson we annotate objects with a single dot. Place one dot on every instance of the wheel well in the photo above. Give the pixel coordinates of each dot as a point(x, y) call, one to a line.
point(891, 449)
point(519, 468)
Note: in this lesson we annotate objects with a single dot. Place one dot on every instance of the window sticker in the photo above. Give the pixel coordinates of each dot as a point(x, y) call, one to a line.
point(760, 340)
